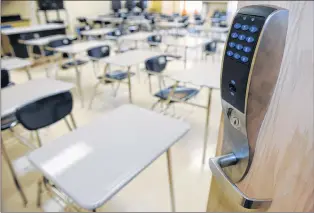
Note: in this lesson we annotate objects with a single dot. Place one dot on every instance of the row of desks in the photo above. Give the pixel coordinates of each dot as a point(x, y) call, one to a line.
point(79, 153)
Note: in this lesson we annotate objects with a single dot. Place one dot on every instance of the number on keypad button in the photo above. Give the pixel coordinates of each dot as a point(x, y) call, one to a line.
point(229, 53)
point(245, 27)
point(241, 37)
point(244, 59)
point(250, 39)
point(232, 44)
point(253, 29)
point(239, 46)
point(236, 56)
point(237, 25)
point(247, 49)
point(234, 35)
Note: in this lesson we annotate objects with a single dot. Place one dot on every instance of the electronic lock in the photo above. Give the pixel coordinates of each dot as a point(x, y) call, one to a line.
point(251, 65)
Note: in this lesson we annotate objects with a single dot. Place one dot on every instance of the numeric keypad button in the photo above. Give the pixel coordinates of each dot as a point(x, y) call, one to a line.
point(245, 27)
point(247, 49)
point(234, 35)
point(229, 53)
point(242, 37)
point(237, 25)
point(250, 39)
point(232, 44)
point(239, 46)
point(244, 59)
point(236, 56)
point(253, 29)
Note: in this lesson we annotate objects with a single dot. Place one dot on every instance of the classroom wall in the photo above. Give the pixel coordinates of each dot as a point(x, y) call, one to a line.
point(27, 9)
point(16, 7)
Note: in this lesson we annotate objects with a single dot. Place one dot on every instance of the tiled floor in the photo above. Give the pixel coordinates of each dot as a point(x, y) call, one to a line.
point(148, 191)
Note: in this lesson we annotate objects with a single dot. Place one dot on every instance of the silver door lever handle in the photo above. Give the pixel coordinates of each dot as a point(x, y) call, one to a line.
point(216, 164)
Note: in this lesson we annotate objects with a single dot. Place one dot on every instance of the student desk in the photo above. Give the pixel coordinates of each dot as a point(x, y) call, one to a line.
point(72, 50)
point(200, 75)
point(186, 42)
point(16, 96)
point(127, 59)
point(12, 63)
point(11, 36)
point(94, 162)
point(97, 32)
point(136, 37)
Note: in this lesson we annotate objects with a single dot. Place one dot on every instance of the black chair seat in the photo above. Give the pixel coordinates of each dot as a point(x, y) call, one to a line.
point(8, 121)
point(117, 75)
point(70, 64)
point(181, 93)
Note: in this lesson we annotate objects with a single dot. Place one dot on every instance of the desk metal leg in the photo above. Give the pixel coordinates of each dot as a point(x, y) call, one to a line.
point(206, 125)
point(73, 121)
point(15, 179)
point(78, 80)
point(130, 85)
point(38, 139)
point(170, 177)
point(28, 73)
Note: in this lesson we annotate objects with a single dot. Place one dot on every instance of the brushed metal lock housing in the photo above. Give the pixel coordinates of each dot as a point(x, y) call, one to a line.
point(251, 65)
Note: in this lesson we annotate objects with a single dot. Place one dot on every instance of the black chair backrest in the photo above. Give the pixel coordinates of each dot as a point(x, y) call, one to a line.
point(155, 38)
point(211, 46)
point(59, 43)
point(99, 52)
point(5, 78)
point(45, 111)
point(156, 64)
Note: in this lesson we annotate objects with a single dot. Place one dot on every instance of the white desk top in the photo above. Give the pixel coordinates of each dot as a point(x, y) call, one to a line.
point(186, 41)
point(202, 74)
point(18, 95)
point(12, 63)
point(81, 46)
point(129, 58)
point(97, 32)
point(207, 28)
point(33, 28)
point(139, 36)
point(94, 162)
point(165, 24)
point(45, 40)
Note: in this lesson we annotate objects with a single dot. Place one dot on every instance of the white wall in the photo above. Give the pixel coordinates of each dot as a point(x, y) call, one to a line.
point(27, 9)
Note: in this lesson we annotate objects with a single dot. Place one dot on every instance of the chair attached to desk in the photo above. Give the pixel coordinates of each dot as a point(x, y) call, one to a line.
point(71, 62)
point(43, 113)
point(108, 77)
point(169, 95)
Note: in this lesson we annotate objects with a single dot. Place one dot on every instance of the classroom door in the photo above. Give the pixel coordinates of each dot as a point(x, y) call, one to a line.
point(283, 165)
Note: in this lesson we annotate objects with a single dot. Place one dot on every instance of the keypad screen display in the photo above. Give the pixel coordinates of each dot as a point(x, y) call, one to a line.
point(241, 44)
